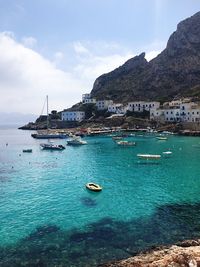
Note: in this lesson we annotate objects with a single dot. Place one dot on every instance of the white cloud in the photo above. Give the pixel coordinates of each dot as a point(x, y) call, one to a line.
point(26, 77)
point(29, 41)
point(58, 55)
point(152, 54)
point(79, 48)
point(94, 66)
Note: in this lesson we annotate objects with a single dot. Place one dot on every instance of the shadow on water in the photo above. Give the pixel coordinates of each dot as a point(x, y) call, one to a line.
point(88, 202)
point(103, 240)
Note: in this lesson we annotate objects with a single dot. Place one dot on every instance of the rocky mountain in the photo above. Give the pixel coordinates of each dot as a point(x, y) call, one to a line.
point(174, 72)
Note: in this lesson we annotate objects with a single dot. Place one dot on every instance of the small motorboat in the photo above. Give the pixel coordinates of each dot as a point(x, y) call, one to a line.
point(51, 147)
point(76, 141)
point(29, 150)
point(126, 143)
point(167, 153)
point(149, 156)
point(93, 187)
point(162, 138)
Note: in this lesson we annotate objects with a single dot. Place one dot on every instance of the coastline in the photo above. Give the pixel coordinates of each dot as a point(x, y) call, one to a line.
point(182, 254)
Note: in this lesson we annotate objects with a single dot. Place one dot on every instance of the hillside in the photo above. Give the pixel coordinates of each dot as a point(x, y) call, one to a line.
point(174, 72)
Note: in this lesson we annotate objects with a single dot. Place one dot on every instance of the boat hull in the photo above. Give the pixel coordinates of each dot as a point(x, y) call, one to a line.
point(93, 187)
point(49, 136)
point(52, 147)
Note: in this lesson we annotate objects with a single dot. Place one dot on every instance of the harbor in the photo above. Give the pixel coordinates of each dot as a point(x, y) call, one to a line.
point(47, 211)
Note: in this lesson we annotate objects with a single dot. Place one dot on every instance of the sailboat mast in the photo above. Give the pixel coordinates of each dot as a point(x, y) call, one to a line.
point(47, 112)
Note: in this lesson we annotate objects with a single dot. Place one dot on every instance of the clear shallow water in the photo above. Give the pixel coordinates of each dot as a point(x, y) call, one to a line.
point(48, 217)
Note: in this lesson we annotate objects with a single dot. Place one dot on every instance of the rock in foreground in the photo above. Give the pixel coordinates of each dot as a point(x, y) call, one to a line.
point(184, 254)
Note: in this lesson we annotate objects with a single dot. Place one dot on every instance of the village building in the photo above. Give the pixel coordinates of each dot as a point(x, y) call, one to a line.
point(172, 114)
point(190, 112)
point(103, 104)
point(117, 108)
point(177, 111)
point(87, 99)
point(140, 106)
point(157, 115)
point(72, 115)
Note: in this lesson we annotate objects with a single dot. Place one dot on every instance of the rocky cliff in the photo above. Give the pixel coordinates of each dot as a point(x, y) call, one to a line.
point(185, 254)
point(174, 72)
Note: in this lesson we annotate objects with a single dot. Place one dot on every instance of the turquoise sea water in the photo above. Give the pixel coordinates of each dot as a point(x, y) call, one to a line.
point(48, 218)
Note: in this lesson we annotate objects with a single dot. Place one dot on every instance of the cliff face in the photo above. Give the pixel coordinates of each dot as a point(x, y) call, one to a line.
point(173, 72)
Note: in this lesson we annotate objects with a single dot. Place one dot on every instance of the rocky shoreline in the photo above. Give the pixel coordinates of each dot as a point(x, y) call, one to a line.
point(183, 254)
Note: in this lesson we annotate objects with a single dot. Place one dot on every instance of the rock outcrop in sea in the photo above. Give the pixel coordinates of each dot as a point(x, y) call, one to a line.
point(184, 254)
point(174, 72)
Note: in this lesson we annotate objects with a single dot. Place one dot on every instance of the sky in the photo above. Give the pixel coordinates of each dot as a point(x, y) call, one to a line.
point(59, 47)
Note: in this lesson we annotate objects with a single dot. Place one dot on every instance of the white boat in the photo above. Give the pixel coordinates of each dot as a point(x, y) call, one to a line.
point(167, 153)
point(163, 138)
point(47, 134)
point(149, 156)
point(51, 147)
point(93, 187)
point(76, 141)
point(126, 143)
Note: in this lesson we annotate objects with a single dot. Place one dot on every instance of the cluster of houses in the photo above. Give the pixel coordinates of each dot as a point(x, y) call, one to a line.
point(182, 110)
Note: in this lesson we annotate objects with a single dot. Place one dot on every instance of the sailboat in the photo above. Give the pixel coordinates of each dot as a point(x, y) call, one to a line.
point(47, 134)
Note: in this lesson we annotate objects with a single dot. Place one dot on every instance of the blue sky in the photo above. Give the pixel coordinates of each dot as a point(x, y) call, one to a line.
point(59, 47)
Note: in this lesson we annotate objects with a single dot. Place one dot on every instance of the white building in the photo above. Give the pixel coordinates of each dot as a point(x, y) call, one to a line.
point(190, 112)
point(175, 103)
point(86, 99)
point(175, 111)
point(157, 114)
point(73, 115)
point(172, 114)
point(103, 104)
point(117, 108)
point(140, 106)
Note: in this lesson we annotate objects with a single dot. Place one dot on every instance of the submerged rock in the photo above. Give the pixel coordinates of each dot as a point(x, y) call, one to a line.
point(42, 231)
point(89, 202)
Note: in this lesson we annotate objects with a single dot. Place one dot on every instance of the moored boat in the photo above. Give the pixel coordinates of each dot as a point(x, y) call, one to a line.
point(163, 138)
point(76, 141)
point(126, 143)
point(149, 156)
point(167, 153)
point(48, 135)
point(29, 150)
point(51, 147)
point(93, 187)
